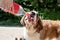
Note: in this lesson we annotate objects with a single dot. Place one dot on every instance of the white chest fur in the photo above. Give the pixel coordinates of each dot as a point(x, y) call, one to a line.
point(35, 36)
point(32, 34)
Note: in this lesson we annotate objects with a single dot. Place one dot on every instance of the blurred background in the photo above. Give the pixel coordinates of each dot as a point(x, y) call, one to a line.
point(47, 9)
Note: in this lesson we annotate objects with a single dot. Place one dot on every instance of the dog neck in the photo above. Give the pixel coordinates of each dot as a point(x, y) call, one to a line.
point(33, 35)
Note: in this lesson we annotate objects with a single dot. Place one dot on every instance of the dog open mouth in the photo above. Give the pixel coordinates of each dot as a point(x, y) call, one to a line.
point(29, 17)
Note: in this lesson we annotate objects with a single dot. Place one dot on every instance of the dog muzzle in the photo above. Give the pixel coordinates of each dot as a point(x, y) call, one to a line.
point(29, 17)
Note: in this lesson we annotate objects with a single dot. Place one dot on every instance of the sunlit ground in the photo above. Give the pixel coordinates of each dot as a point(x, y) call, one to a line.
point(10, 33)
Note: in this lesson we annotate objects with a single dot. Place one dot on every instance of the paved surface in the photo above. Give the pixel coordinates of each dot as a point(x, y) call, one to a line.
point(10, 33)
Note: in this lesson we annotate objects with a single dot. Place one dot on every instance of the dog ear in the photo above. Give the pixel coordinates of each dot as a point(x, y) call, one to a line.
point(22, 20)
point(39, 25)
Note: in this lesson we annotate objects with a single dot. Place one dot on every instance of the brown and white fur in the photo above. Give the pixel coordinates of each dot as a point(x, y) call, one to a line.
point(41, 29)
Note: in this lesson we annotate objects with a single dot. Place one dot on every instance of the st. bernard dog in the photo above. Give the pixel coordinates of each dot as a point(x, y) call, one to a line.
point(37, 29)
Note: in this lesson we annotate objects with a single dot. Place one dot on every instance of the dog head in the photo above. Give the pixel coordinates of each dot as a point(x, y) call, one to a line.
point(32, 20)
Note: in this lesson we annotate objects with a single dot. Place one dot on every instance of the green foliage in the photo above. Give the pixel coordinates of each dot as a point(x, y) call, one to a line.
point(8, 19)
point(51, 14)
point(48, 9)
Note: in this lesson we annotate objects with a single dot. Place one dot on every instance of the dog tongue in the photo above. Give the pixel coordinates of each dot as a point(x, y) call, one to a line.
point(27, 14)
